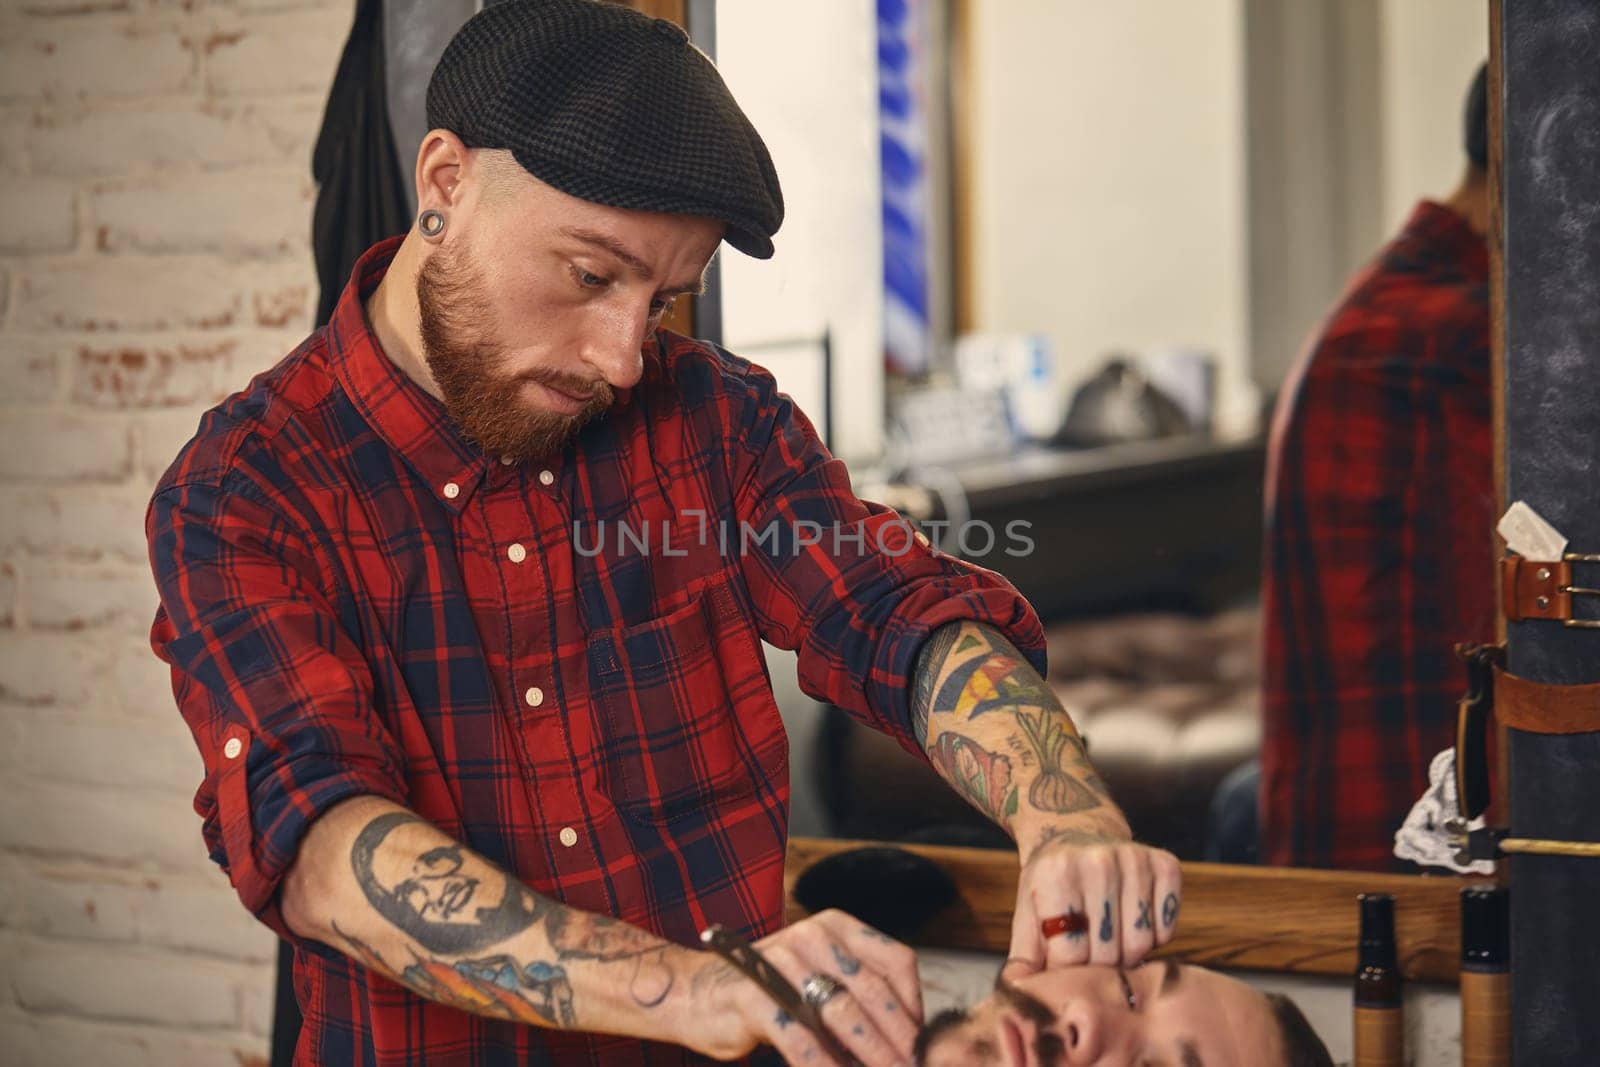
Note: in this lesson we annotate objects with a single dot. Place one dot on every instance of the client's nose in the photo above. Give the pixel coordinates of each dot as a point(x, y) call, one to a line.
point(1082, 1028)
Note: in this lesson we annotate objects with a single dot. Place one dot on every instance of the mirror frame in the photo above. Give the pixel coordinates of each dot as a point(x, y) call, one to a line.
point(1289, 920)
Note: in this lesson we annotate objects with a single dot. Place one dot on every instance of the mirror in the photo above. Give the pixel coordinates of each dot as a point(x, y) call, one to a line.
point(1188, 187)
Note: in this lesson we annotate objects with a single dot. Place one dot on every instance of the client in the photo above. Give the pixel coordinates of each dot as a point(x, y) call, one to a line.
point(1158, 1012)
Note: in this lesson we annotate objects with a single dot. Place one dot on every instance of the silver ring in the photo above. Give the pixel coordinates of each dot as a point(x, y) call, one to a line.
point(819, 989)
point(431, 222)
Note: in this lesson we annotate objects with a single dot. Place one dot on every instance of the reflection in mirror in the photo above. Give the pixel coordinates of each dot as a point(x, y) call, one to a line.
point(1151, 209)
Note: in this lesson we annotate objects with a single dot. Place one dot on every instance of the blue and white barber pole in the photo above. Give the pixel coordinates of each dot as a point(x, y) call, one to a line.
point(903, 64)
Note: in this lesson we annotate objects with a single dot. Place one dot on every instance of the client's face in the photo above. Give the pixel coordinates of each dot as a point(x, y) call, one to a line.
point(1160, 1014)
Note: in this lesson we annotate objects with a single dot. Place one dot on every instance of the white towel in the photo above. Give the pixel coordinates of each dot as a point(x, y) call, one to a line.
point(1422, 838)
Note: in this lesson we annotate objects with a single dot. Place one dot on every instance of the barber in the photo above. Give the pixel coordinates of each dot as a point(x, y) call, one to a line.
point(1380, 545)
point(463, 602)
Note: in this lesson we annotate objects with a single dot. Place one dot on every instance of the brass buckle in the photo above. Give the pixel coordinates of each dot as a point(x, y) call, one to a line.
point(1579, 590)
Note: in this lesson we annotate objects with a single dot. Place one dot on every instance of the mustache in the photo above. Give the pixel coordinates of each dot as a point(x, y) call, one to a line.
point(582, 388)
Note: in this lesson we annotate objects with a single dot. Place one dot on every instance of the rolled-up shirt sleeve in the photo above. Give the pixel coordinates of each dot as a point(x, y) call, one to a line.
point(276, 694)
point(846, 582)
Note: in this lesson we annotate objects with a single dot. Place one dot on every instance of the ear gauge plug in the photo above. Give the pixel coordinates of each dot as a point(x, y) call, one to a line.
point(431, 222)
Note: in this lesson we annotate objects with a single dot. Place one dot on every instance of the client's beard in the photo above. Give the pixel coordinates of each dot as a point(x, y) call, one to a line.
point(487, 405)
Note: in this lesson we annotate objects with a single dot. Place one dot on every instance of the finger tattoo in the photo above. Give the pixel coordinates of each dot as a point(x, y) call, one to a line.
point(1169, 909)
point(848, 964)
point(1105, 923)
point(1143, 922)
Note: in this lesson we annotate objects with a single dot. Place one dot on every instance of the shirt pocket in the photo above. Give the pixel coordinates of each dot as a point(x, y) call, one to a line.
point(686, 716)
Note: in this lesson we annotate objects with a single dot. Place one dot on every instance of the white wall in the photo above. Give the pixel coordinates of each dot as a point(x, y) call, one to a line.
point(1429, 50)
point(154, 257)
point(1109, 175)
point(808, 80)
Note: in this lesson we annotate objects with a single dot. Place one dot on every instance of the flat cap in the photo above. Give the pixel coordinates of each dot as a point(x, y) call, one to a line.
point(611, 106)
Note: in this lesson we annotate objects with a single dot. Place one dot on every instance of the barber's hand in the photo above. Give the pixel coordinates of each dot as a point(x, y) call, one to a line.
point(1127, 894)
point(875, 1014)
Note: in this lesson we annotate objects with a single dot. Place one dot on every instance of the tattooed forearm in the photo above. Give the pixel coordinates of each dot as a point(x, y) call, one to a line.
point(430, 900)
point(496, 986)
point(981, 776)
point(995, 730)
point(929, 660)
point(451, 926)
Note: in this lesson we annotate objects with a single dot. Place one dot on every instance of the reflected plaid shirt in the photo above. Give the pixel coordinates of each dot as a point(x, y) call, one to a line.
point(556, 663)
point(1380, 516)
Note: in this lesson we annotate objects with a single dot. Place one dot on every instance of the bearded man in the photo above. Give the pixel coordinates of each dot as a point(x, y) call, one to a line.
point(464, 600)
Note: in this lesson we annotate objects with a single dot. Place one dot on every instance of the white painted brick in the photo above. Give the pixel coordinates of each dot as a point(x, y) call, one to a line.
point(161, 293)
point(57, 670)
point(71, 7)
point(117, 139)
point(135, 827)
point(242, 5)
point(47, 743)
point(88, 522)
point(292, 123)
point(13, 902)
point(146, 986)
point(30, 370)
point(141, 682)
point(94, 57)
point(160, 436)
point(260, 350)
point(15, 120)
point(50, 1041)
point(154, 370)
point(256, 994)
point(8, 597)
point(293, 50)
point(180, 912)
point(56, 447)
point(77, 596)
point(263, 212)
point(40, 217)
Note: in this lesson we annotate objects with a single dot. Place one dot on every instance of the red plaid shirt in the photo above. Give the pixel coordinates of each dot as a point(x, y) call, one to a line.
point(355, 600)
point(1380, 544)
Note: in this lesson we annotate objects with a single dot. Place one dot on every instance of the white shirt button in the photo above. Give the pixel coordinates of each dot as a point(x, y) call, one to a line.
point(546, 478)
point(516, 553)
point(451, 490)
point(922, 538)
point(233, 748)
point(569, 836)
point(534, 696)
point(508, 461)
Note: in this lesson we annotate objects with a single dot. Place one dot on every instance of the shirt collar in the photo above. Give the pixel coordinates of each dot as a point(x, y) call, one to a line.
point(1433, 225)
point(406, 416)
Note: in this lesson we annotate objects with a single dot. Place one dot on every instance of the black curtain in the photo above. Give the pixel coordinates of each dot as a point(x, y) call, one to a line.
point(361, 195)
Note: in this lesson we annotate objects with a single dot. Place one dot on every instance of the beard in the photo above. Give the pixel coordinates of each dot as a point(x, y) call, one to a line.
point(480, 398)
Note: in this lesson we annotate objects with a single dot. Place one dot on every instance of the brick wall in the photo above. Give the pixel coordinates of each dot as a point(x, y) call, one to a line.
point(155, 156)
